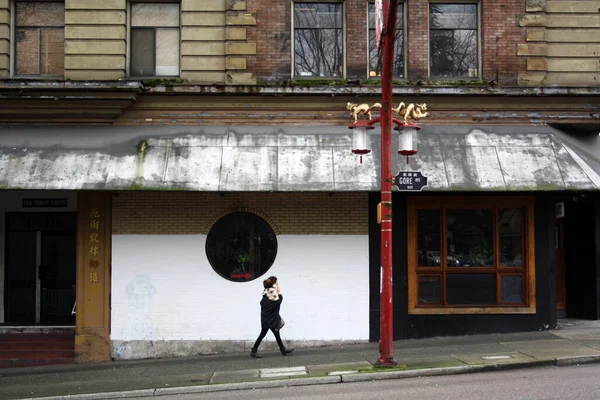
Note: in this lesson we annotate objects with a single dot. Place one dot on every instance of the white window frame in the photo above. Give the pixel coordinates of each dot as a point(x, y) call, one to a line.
point(293, 40)
point(479, 39)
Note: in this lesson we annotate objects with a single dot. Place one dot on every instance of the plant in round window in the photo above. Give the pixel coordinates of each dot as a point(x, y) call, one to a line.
point(241, 246)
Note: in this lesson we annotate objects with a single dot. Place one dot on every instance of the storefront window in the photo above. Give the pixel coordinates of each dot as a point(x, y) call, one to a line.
point(468, 256)
point(241, 246)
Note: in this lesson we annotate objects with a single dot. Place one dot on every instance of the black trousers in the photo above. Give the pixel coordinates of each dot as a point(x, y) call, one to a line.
point(262, 335)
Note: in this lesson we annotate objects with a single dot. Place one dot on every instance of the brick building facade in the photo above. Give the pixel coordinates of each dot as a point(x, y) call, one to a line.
point(162, 124)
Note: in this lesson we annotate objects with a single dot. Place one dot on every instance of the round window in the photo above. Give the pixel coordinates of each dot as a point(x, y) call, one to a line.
point(241, 246)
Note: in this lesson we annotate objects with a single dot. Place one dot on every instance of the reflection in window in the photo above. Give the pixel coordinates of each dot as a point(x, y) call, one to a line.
point(375, 55)
point(470, 237)
point(318, 41)
point(512, 289)
point(241, 246)
point(40, 38)
point(430, 289)
point(154, 39)
point(511, 237)
point(429, 237)
point(453, 40)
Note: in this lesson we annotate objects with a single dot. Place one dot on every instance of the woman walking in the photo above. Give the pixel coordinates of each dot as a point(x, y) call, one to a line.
point(269, 316)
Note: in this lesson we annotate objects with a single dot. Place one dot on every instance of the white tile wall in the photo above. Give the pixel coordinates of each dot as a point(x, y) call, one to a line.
point(163, 288)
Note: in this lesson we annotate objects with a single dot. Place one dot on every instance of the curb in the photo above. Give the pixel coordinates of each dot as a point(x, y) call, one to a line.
point(324, 380)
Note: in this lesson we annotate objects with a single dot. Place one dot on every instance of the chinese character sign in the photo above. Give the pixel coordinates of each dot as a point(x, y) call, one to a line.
point(94, 245)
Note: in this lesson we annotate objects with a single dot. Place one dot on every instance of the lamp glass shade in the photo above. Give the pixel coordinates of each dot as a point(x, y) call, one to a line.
point(360, 140)
point(408, 141)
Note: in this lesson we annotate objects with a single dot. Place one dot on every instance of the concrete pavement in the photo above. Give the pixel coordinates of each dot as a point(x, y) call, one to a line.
point(573, 342)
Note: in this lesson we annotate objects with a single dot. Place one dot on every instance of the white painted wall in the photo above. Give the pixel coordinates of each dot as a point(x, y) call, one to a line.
point(12, 201)
point(163, 288)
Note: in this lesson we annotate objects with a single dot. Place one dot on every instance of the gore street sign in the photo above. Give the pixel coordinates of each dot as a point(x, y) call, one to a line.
point(410, 181)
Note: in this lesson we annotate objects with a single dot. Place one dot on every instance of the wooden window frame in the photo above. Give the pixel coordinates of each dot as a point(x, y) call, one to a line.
point(525, 203)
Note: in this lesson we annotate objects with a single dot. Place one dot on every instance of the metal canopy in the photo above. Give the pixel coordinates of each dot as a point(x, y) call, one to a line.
point(291, 158)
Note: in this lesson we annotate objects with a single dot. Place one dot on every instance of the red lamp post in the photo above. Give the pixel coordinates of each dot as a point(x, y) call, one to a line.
point(407, 147)
point(386, 336)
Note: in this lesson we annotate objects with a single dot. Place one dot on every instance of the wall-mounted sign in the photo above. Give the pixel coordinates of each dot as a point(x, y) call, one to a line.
point(44, 202)
point(559, 210)
point(411, 181)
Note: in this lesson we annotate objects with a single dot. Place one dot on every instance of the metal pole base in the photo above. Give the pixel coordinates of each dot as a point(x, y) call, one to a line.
point(386, 362)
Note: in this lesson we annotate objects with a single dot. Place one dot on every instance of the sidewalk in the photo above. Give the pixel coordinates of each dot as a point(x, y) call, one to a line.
point(573, 342)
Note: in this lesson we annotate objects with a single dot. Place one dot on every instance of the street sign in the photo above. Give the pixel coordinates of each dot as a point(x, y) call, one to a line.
point(378, 21)
point(410, 181)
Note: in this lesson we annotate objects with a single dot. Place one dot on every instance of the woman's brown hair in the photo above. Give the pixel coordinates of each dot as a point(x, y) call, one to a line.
point(270, 282)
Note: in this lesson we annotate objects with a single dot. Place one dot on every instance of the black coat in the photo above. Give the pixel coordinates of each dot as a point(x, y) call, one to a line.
point(269, 312)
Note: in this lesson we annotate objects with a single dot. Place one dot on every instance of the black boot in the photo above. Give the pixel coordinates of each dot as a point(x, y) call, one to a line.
point(254, 354)
point(285, 351)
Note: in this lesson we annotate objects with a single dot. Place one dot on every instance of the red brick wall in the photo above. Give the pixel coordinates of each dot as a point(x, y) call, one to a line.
point(500, 35)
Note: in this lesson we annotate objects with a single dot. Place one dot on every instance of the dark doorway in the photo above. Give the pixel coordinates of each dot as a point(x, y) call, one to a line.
point(40, 268)
point(580, 260)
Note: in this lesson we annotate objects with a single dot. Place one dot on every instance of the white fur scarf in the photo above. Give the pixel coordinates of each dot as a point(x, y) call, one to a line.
point(271, 294)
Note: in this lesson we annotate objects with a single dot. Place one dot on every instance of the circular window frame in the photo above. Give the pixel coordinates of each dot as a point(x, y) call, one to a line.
point(267, 235)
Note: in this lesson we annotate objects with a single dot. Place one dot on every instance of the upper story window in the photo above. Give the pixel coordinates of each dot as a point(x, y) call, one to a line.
point(375, 55)
point(39, 38)
point(453, 40)
point(318, 40)
point(154, 39)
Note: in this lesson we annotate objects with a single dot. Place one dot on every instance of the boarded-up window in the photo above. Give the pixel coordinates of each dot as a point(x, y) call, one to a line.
point(154, 39)
point(40, 38)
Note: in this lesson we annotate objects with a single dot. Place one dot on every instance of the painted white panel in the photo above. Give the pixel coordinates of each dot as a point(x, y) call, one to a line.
point(163, 288)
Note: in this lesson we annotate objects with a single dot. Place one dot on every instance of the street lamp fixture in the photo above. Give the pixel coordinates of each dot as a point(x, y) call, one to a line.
point(408, 130)
point(408, 142)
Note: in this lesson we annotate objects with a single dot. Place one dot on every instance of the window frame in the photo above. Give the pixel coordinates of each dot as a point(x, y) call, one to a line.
point(13, 41)
point(129, 43)
point(526, 203)
point(477, 3)
point(402, 6)
point(293, 40)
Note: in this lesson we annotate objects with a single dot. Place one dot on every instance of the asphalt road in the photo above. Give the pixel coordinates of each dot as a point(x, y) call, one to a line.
point(572, 383)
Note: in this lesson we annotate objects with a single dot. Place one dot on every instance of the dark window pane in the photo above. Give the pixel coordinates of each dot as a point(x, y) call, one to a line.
point(318, 52)
point(429, 241)
point(465, 289)
point(470, 237)
point(241, 246)
point(142, 52)
point(512, 289)
point(453, 53)
point(453, 16)
point(511, 237)
point(375, 55)
point(429, 289)
point(317, 16)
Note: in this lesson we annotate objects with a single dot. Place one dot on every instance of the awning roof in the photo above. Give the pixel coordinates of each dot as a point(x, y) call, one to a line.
point(291, 158)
